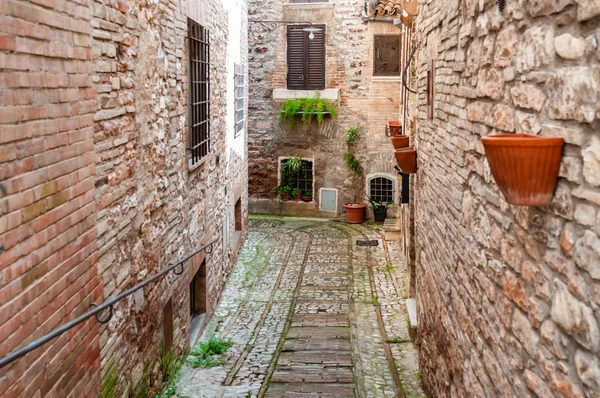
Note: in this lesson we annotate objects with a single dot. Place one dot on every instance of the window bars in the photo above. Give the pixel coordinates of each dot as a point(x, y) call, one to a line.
point(199, 92)
point(381, 189)
point(240, 96)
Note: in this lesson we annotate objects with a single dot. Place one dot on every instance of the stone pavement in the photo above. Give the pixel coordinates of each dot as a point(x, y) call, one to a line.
point(310, 314)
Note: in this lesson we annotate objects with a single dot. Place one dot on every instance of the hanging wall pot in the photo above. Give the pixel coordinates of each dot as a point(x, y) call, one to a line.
point(407, 159)
point(394, 128)
point(524, 166)
point(400, 141)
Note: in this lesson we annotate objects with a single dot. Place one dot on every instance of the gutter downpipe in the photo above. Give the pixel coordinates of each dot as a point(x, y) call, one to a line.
point(367, 18)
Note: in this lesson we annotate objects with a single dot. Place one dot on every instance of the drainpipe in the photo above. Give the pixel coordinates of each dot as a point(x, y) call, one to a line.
point(367, 18)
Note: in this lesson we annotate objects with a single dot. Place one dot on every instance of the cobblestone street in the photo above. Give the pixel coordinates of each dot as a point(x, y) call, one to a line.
point(310, 313)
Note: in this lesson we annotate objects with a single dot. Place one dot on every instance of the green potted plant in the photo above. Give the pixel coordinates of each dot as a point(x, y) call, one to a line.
point(284, 191)
point(355, 211)
point(307, 108)
point(307, 196)
point(379, 209)
point(296, 193)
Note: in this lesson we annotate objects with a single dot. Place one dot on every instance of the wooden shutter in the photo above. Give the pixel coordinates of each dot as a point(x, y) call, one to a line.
point(305, 59)
point(296, 79)
point(316, 60)
point(387, 55)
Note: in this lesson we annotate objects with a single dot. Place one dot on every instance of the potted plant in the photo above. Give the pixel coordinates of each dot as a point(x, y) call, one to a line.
point(379, 209)
point(355, 211)
point(307, 196)
point(296, 193)
point(284, 191)
point(524, 166)
point(307, 108)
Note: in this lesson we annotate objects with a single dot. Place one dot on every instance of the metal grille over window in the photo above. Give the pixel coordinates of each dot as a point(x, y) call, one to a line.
point(240, 95)
point(302, 179)
point(199, 92)
point(381, 189)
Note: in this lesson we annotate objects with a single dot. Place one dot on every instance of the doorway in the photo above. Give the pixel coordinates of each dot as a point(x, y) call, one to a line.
point(197, 302)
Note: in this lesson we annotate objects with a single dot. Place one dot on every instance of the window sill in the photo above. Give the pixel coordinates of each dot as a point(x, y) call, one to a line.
point(192, 167)
point(309, 5)
point(387, 79)
point(283, 94)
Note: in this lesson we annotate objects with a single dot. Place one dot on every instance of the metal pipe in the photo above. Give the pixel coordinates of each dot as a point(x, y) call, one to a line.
point(13, 356)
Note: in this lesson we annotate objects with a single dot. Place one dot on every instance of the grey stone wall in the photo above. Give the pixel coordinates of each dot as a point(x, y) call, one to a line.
point(364, 101)
point(508, 296)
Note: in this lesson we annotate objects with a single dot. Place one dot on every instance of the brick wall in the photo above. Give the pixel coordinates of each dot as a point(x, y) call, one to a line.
point(48, 250)
point(96, 193)
point(364, 101)
point(508, 296)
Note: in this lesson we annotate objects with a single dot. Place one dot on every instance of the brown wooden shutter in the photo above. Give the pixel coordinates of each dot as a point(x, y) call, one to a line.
point(296, 78)
point(316, 60)
point(305, 59)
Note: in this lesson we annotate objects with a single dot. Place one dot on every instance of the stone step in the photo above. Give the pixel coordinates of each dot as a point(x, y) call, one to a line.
point(337, 358)
point(299, 373)
point(315, 320)
point(318, 333)
point(310, 390)
point(317, 345)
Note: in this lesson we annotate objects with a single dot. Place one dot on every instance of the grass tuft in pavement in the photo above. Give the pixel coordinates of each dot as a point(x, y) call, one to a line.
point(209, 354)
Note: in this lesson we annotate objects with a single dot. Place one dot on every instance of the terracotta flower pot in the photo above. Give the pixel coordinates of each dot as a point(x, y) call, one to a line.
point(297, 197)
point(524, 166)
point(285, 196)
point(394, 128)
point(307, 198)
point(407, 159)
point(355, 213)
point(400, 141)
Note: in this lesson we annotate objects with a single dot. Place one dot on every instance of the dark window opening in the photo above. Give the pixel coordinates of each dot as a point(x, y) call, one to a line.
point(199, 92)
point(240, 96)
point(238, 215)
point(387, 55)
point(301, 179)
point(305, 58)
point(168, 324)
point(381, 189)
point(198, 292)
point(430, 89)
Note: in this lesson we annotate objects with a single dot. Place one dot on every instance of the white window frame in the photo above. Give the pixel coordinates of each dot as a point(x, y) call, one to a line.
point(394, 180)
point(312, 160)
point(239, 123)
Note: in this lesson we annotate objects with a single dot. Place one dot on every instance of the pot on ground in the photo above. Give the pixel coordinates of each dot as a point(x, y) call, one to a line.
point(355, 213)
point(406, 159)
point(380, 216)
point(524, 166)
point(400, 141)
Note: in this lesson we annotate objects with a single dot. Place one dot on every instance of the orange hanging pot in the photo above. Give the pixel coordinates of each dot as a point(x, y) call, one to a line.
point(524, 166)
point(394, 128)
point(407, 159)
point(400, 141)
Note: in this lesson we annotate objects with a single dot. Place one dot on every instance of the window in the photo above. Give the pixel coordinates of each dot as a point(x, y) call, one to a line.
point(306, 58)
point(430, 89)
point(387, 55)
point(168, 325)
point(199, 92)
point(381, 189)
point(238, 215)
point(198, 292)
point(302, 179)
point(240, 96)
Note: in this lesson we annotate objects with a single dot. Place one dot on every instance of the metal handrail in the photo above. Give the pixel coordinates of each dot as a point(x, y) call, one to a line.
point(98, 308)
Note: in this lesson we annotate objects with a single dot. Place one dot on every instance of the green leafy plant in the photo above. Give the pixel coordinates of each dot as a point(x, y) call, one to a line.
point(295, 164)
point(209, 354)
point(284, 190)
point(352, 135)
point(352, 163)
point(308, 108)
point(110, 381)
point(307, 194)
point(170, 367)
point(295, 192)
point(378, 205)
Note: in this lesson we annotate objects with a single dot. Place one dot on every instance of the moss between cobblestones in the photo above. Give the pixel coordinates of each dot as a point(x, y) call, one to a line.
point(209, 354)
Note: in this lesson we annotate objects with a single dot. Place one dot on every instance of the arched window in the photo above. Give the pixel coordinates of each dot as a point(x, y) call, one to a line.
point(381, 189)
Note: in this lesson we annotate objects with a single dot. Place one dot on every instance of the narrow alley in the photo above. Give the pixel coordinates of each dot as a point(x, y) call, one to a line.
point(311, 312)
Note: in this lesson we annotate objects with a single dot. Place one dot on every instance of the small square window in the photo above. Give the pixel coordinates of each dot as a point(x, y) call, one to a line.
point(381, 189)
point(301, 179)
point(387, 55)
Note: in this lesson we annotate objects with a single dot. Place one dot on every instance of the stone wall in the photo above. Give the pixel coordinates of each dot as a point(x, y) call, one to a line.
point(48, 249)
point(508, 296)
point(96, 190)
point(363, 100)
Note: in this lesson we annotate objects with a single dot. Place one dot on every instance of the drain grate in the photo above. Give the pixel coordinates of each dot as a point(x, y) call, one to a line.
point(367, 243)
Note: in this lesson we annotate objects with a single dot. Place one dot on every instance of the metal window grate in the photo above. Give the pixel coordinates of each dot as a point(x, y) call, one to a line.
point(303, 180)
point(381, 189)
point(199, 92)
point(240, 95)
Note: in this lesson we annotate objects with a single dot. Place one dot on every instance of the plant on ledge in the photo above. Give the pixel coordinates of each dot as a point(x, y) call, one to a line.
point(307, 108)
